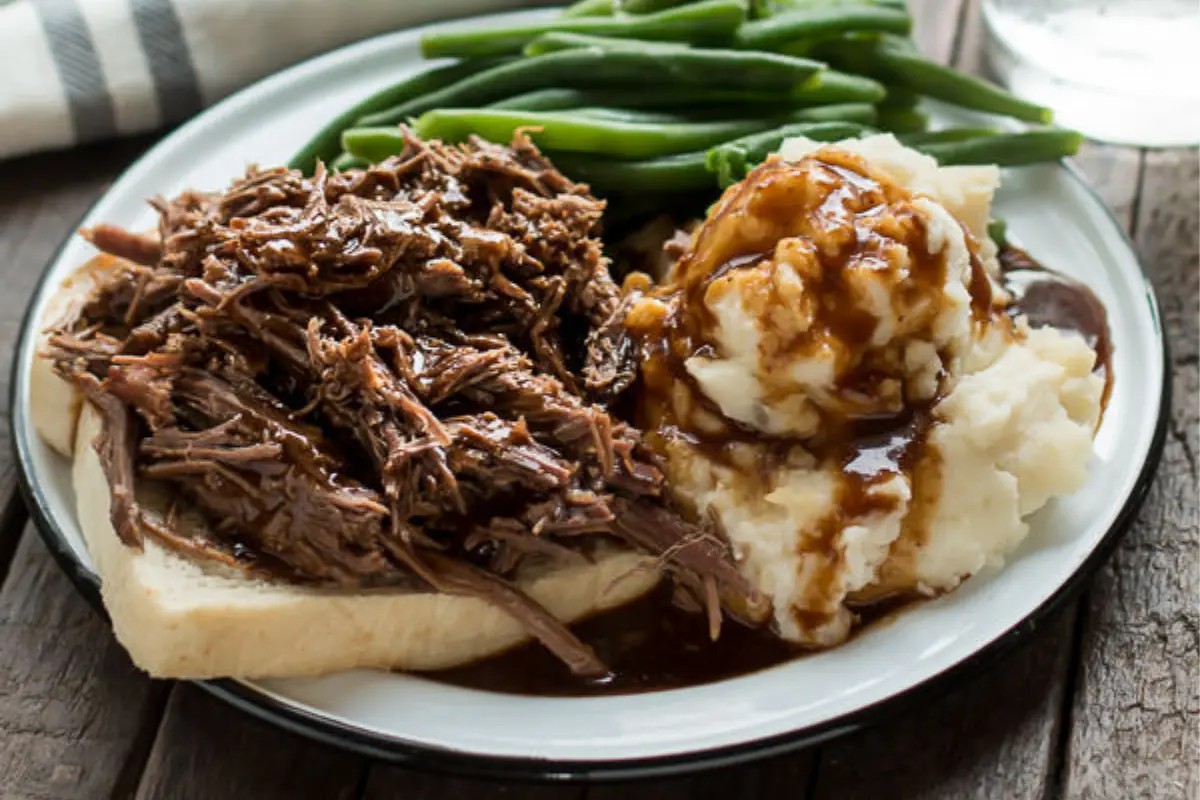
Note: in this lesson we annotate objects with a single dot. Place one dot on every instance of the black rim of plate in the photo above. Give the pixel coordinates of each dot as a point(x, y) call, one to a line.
point(335, 732)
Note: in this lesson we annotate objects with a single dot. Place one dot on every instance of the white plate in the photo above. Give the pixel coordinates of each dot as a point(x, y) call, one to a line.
point(1049, 209)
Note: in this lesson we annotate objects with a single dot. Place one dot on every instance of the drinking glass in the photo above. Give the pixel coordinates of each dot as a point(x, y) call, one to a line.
point(1124, 71)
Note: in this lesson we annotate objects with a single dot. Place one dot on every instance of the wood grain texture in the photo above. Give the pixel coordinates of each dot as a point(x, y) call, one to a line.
point(71, 704)
point(40, 200)
point(787, 776)
point(207, 749)
point(991, 737)
point(1136, 711)
point(936, 24)
point(388, 783)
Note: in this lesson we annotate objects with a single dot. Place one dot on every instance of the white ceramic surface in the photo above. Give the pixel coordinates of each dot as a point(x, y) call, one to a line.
point(1049, 210)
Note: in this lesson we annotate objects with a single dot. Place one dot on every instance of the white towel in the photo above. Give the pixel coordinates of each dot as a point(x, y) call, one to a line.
point(80, 70)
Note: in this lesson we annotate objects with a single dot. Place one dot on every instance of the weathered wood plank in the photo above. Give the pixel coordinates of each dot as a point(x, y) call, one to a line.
point(73, 710)
point(386, 783)
point(1136, 710)
point(785, 776)
point(968, 50)
point(991, 737)
point(72, 707)
point(935, 26)
point(207, 749)
point(40, 199)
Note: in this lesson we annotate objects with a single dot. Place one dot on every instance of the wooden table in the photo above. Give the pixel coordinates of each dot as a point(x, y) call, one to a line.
point(1099, 702)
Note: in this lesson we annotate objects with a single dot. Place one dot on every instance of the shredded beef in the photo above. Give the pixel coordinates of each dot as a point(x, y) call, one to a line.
point(385, 376)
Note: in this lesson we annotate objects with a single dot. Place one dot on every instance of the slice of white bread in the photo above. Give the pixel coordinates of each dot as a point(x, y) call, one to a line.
point(179, 618)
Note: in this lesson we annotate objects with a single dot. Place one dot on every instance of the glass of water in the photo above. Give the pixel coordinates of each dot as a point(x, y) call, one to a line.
point(1125, 71)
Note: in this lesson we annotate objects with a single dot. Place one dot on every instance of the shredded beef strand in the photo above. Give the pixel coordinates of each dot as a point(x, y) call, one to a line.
point(391, 376)
point(455, 576)
point(116, 447)
point(141, 248)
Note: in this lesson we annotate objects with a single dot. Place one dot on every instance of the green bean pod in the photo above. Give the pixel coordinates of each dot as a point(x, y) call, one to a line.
point(596, 67)
point(683, 100)
point(810, 23)
point(704, 21)
point(767, 8)
point(833, 86)
point(552, 99)
point(900, 97)
point(650, 6)
point(997, 230)
point(947, 135)
point(732, 160)
point(902, 120)
point(861, 113)
point(590, 8)
point(895, 64)
point(345, 161)
point(562, 131)
point(1007, 149)
point(684, 171)
point(326, 144)
point(555, 41)
point(628, 115)
point(679, 172)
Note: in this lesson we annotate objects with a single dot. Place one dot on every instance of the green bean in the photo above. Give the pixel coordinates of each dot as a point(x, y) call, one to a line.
point(893, 64)
point(633, 97)
point(1007, 149)
point(679, 172)
point(589, 8)
point(705, 21)
point(902, 120)
point(947, 135)
point(682, 171)
point(900, 97)
point(772, 7)
point(605, 8)
point(862, 113)
point(555, 41)
point(832, 86)
point(566, 131)
point(649, 6)
point(828, 86)
point(627, 115)
point(997, 230)
point(326, 144)
point(345, 161)
point(553, 99)
point(613, 132)
point(732, 160)
point(593, 66)
point(820, 22)
point(729, 101)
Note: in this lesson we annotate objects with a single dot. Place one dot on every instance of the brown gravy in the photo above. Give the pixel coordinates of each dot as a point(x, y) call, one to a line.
point(652, 644)
point(1049, 298)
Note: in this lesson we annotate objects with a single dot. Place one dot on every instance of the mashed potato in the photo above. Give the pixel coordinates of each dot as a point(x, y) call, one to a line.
point(836, 380)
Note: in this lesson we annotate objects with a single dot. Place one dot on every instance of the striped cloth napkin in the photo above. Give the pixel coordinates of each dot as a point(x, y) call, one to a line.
point(81, 70)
